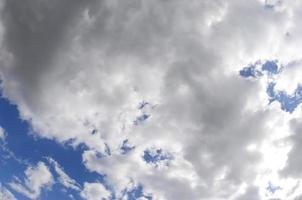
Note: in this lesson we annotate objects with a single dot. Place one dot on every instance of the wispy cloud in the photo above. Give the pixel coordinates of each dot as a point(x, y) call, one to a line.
point(63, 178)
point(5, 194)
point(36, 179)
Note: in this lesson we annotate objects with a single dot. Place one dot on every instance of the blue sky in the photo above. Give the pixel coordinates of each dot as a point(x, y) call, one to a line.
point(150, 100)
point(288, 102)
point(22, 149)
point(30, 150)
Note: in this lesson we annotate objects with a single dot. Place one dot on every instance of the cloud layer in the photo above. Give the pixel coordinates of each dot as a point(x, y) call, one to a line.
point(161, 77)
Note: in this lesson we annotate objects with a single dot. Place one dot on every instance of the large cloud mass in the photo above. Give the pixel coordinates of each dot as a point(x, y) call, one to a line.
point(152, 89)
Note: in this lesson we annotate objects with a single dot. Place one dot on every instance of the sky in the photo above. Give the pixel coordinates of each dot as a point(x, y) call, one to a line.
point(150, 100)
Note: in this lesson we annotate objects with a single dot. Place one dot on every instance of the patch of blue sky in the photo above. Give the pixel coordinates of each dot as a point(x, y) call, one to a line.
point(272, 188)
point(271, 66)
point(126, 147)
point(288, 102)
point(250, 71)
point(270, 91)
point(257, 69)
point(156, 156)
point(32, 150)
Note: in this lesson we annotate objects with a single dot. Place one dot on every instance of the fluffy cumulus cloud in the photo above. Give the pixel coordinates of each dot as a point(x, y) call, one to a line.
point(36, 179)
point(95, 191)
point(155, 92)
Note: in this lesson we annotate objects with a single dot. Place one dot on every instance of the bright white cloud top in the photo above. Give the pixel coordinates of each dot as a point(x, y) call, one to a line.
point(178, 99)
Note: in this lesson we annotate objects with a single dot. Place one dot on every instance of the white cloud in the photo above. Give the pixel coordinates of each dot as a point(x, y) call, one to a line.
point(83, 84)
point(36, 178)
point(95, 191)
point(2, 134)
point(142, 198)
point(5, 194)
point(290, 78)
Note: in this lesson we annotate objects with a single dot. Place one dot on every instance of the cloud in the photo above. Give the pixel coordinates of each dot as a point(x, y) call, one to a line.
point(63, 178)
point(95, 191)
point(6, 194)
point(6, 152)
point(82, 81)
point(36, 178)
point(2, 134)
